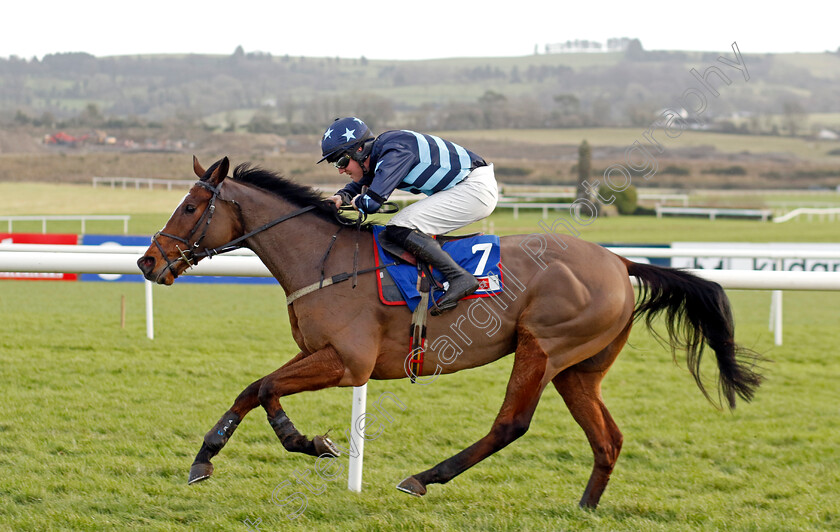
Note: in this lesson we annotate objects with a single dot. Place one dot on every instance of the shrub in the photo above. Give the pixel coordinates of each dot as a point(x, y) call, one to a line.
point(644, 211)
point(626, 200)
point(512, 171)
point(727, 170)
point(673, 169)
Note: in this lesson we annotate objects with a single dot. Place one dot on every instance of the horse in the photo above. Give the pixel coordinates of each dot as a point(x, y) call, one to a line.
point(565, 313)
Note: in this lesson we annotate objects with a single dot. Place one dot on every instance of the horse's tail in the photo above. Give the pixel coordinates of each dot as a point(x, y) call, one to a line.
point(697, 312)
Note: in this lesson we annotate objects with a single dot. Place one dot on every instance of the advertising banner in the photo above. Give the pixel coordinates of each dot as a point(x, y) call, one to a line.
point(735, 263)
point(121, 240)
point(38, 238)
point(658, 261)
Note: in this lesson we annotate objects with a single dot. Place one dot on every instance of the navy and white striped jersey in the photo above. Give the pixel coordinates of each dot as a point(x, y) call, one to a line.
point(414, 162)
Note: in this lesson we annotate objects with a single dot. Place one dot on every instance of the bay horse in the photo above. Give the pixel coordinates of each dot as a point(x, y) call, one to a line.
point(566, 313)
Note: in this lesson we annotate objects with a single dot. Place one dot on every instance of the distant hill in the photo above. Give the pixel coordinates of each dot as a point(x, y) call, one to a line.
point(299, 95)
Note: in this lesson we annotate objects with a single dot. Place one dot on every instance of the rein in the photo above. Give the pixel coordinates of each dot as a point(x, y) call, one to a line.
point(207, 216)
point(195, 255)
point(234, 244)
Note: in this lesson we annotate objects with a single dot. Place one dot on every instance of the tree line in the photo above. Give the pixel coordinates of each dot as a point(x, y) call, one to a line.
point(284, 94)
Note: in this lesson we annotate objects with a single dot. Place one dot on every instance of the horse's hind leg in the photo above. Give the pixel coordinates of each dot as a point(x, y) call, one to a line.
point(582, 393)
point(580, 386)
point(218, 436)
point(513, 420)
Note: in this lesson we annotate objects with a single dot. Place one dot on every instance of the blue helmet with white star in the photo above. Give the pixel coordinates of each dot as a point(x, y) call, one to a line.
point(343, 135)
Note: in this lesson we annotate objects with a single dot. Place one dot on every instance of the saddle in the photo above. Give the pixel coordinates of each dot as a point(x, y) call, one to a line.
point(401, 255)
point(411, 282)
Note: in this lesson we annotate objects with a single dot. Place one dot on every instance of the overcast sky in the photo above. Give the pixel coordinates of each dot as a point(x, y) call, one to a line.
point(404, 30)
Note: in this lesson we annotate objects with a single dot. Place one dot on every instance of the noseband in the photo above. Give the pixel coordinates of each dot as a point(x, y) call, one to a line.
point(206, 218)
point(190, 253)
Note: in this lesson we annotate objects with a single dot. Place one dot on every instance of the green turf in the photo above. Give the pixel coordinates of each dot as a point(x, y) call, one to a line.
point(102, 424)
point(149, 211)
point(610, 136)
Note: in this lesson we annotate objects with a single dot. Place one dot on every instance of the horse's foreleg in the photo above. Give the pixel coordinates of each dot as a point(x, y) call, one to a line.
point(218, 436)
point(513, 420)
point(322, 369)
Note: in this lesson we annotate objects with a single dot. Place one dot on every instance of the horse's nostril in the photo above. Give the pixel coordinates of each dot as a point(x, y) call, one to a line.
point(146, 264)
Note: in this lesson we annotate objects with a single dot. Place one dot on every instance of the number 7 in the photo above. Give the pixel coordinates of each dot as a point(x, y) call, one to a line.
point(485, 247)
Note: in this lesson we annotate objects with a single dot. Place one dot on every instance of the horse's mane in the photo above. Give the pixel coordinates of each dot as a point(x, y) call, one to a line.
point(295, 193)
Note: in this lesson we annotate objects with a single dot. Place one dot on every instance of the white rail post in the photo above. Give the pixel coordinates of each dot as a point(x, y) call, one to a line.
point(776, 305)
point(150, 313)
point(776, 308)
point(354, 471)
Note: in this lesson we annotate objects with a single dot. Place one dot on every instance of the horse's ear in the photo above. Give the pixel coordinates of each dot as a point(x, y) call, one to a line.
point(221, 172)
point(197, 168)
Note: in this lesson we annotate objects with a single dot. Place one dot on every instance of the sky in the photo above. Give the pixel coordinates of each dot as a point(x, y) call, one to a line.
point(408, 30)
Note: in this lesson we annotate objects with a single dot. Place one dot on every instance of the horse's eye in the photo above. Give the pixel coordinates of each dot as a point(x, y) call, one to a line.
point(189, 209)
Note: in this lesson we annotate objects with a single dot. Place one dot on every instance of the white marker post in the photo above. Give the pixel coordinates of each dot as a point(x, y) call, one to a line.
point(776, 316)
point(150, 312)
point(354, 472)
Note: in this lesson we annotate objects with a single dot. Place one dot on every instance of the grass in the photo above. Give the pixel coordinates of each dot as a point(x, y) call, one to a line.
point(48, 198)
point(101, 426)
point(150, 209)
point(650, 230)
point(723, 142)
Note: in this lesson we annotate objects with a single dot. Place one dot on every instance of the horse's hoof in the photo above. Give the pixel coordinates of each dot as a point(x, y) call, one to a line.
point(412, 486)
point(324, 445)
point(199, 472)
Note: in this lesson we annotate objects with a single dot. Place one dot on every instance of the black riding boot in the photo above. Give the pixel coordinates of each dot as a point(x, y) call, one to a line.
point(461, 283)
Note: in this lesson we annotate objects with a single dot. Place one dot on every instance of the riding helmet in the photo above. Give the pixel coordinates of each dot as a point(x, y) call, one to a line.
point(345, 134)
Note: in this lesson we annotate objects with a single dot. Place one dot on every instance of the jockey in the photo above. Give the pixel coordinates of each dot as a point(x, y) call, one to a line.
point(460, 186)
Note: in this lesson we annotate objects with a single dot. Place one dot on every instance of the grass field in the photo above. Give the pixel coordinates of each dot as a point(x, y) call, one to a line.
point(149, 210)
point(102, 424)
point(726, 143)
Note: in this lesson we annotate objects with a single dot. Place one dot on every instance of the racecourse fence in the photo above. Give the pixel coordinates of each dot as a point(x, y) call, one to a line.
point(832, 213)
point(243, 263)
point(83, 218)
point(714, 212)
point(141, 182)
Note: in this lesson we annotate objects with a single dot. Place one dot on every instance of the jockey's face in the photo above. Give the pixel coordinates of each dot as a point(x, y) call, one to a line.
point(353, 169)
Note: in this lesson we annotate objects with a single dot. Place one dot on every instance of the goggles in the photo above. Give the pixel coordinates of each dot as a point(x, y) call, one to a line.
point(342, 162)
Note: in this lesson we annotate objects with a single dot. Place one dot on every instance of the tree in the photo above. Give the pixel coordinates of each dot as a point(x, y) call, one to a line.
point(262, 121)
point(230, 121)
point(22, 118)
point(634, 51)
point(91, 115)
point(47, 119)
point(601, 112)
point(795, 117)
point(568, 110)
point(584, 168)
point(493, 106)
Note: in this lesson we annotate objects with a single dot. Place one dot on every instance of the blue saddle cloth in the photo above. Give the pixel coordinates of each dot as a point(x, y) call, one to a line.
point(479, 255)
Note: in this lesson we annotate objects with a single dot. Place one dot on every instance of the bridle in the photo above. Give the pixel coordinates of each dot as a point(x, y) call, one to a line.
point(191, 254)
